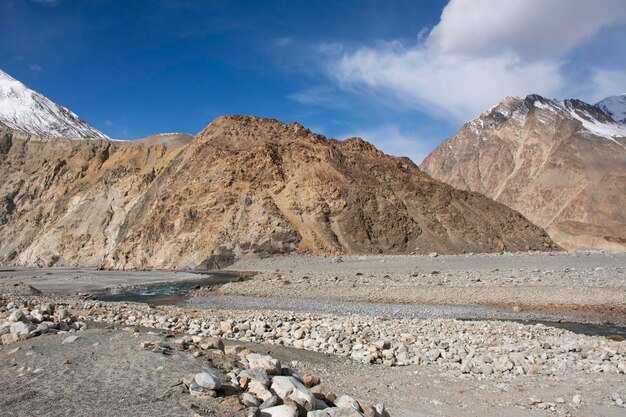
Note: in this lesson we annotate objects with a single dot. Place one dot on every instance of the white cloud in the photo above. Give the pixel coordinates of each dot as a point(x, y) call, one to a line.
point(608, 83)
point(446, 85)
point(530, 28)
point(35, 67)
point(393, 141)
point(479, 53)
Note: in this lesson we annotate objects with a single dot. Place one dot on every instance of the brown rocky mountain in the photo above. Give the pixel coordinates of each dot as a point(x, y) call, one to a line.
point(242, 186)
point(560, 163)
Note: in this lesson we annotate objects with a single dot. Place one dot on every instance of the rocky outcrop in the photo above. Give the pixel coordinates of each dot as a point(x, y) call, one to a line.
point(562, 164)
point(244, 186)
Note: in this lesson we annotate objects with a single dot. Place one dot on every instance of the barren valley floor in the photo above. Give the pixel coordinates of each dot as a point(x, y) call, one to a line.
point(377, 328)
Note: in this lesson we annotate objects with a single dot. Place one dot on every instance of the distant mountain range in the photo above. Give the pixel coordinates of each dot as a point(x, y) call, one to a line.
point(562, 164)
point(244, 186)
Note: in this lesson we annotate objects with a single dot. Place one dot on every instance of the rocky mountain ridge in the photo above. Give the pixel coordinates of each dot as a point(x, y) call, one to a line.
point(560, 163)
point(244, 186)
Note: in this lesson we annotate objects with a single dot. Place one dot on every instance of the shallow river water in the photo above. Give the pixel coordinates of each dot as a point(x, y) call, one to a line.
point(178, 293)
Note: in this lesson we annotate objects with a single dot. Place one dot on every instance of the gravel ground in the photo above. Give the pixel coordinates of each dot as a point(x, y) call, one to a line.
point(376, 295)
point(593, 282)
point(105, 373)
point(591, 323)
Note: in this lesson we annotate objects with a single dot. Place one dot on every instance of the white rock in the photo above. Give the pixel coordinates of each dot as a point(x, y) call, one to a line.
point(345, 401)
point(17, 315)
point(290, 387)
point(21, 328)
point(272, 366)
point(208, 380)
point(279, 411)
point(249, 400)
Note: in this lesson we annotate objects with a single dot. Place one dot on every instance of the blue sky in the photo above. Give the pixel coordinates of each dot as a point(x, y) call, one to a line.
point(404, 75)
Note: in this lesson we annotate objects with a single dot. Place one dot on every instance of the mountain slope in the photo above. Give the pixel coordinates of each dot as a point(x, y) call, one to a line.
point(560, 163)
point(26, 110)
point(243, 186)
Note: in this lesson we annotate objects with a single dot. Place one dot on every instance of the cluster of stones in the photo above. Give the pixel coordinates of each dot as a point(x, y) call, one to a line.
point(470, 349)
point(22, 320)
point(267, 389)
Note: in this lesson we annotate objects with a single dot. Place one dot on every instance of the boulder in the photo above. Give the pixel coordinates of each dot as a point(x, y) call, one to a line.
point(212, 343)
point(345, 401)
point(250, 400)
point(270, 402)
point(310, 380)
point(279, 411)
point(259, 390)
point(256, 374)
point(17, 315)
point(208, 381)
point(22, 328)
point(272, 366)
point(290, 387)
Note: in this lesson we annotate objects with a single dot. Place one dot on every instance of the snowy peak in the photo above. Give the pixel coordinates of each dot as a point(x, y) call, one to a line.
point(26, 110)
point(594, 119)
point(614, 106)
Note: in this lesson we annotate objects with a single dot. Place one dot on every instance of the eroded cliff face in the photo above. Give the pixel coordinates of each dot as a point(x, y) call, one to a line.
point(561, 164)
point(244, 186)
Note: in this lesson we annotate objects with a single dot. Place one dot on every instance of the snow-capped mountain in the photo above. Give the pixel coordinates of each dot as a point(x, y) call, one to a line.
point(561, 163)
point(614, 106)
point(26, 110)
point(593, 119)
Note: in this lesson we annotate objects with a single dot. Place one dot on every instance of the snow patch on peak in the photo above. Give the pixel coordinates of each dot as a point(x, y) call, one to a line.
point(593, 118)
point(614, 106)
point(26, 110)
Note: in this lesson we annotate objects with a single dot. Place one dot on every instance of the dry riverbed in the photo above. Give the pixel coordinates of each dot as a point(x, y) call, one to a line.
point(590, 281)
point(424, 366)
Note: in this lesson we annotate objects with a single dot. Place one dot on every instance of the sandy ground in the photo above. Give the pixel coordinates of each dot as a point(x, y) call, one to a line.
point(68, 281)
point(104, 373)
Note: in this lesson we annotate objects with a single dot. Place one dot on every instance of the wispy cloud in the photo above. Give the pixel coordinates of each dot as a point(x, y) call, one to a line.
point(35, 68)
point(321, 95)
point(479, 52)
point(392, 140)
point(607, 83)
point(283, 41)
